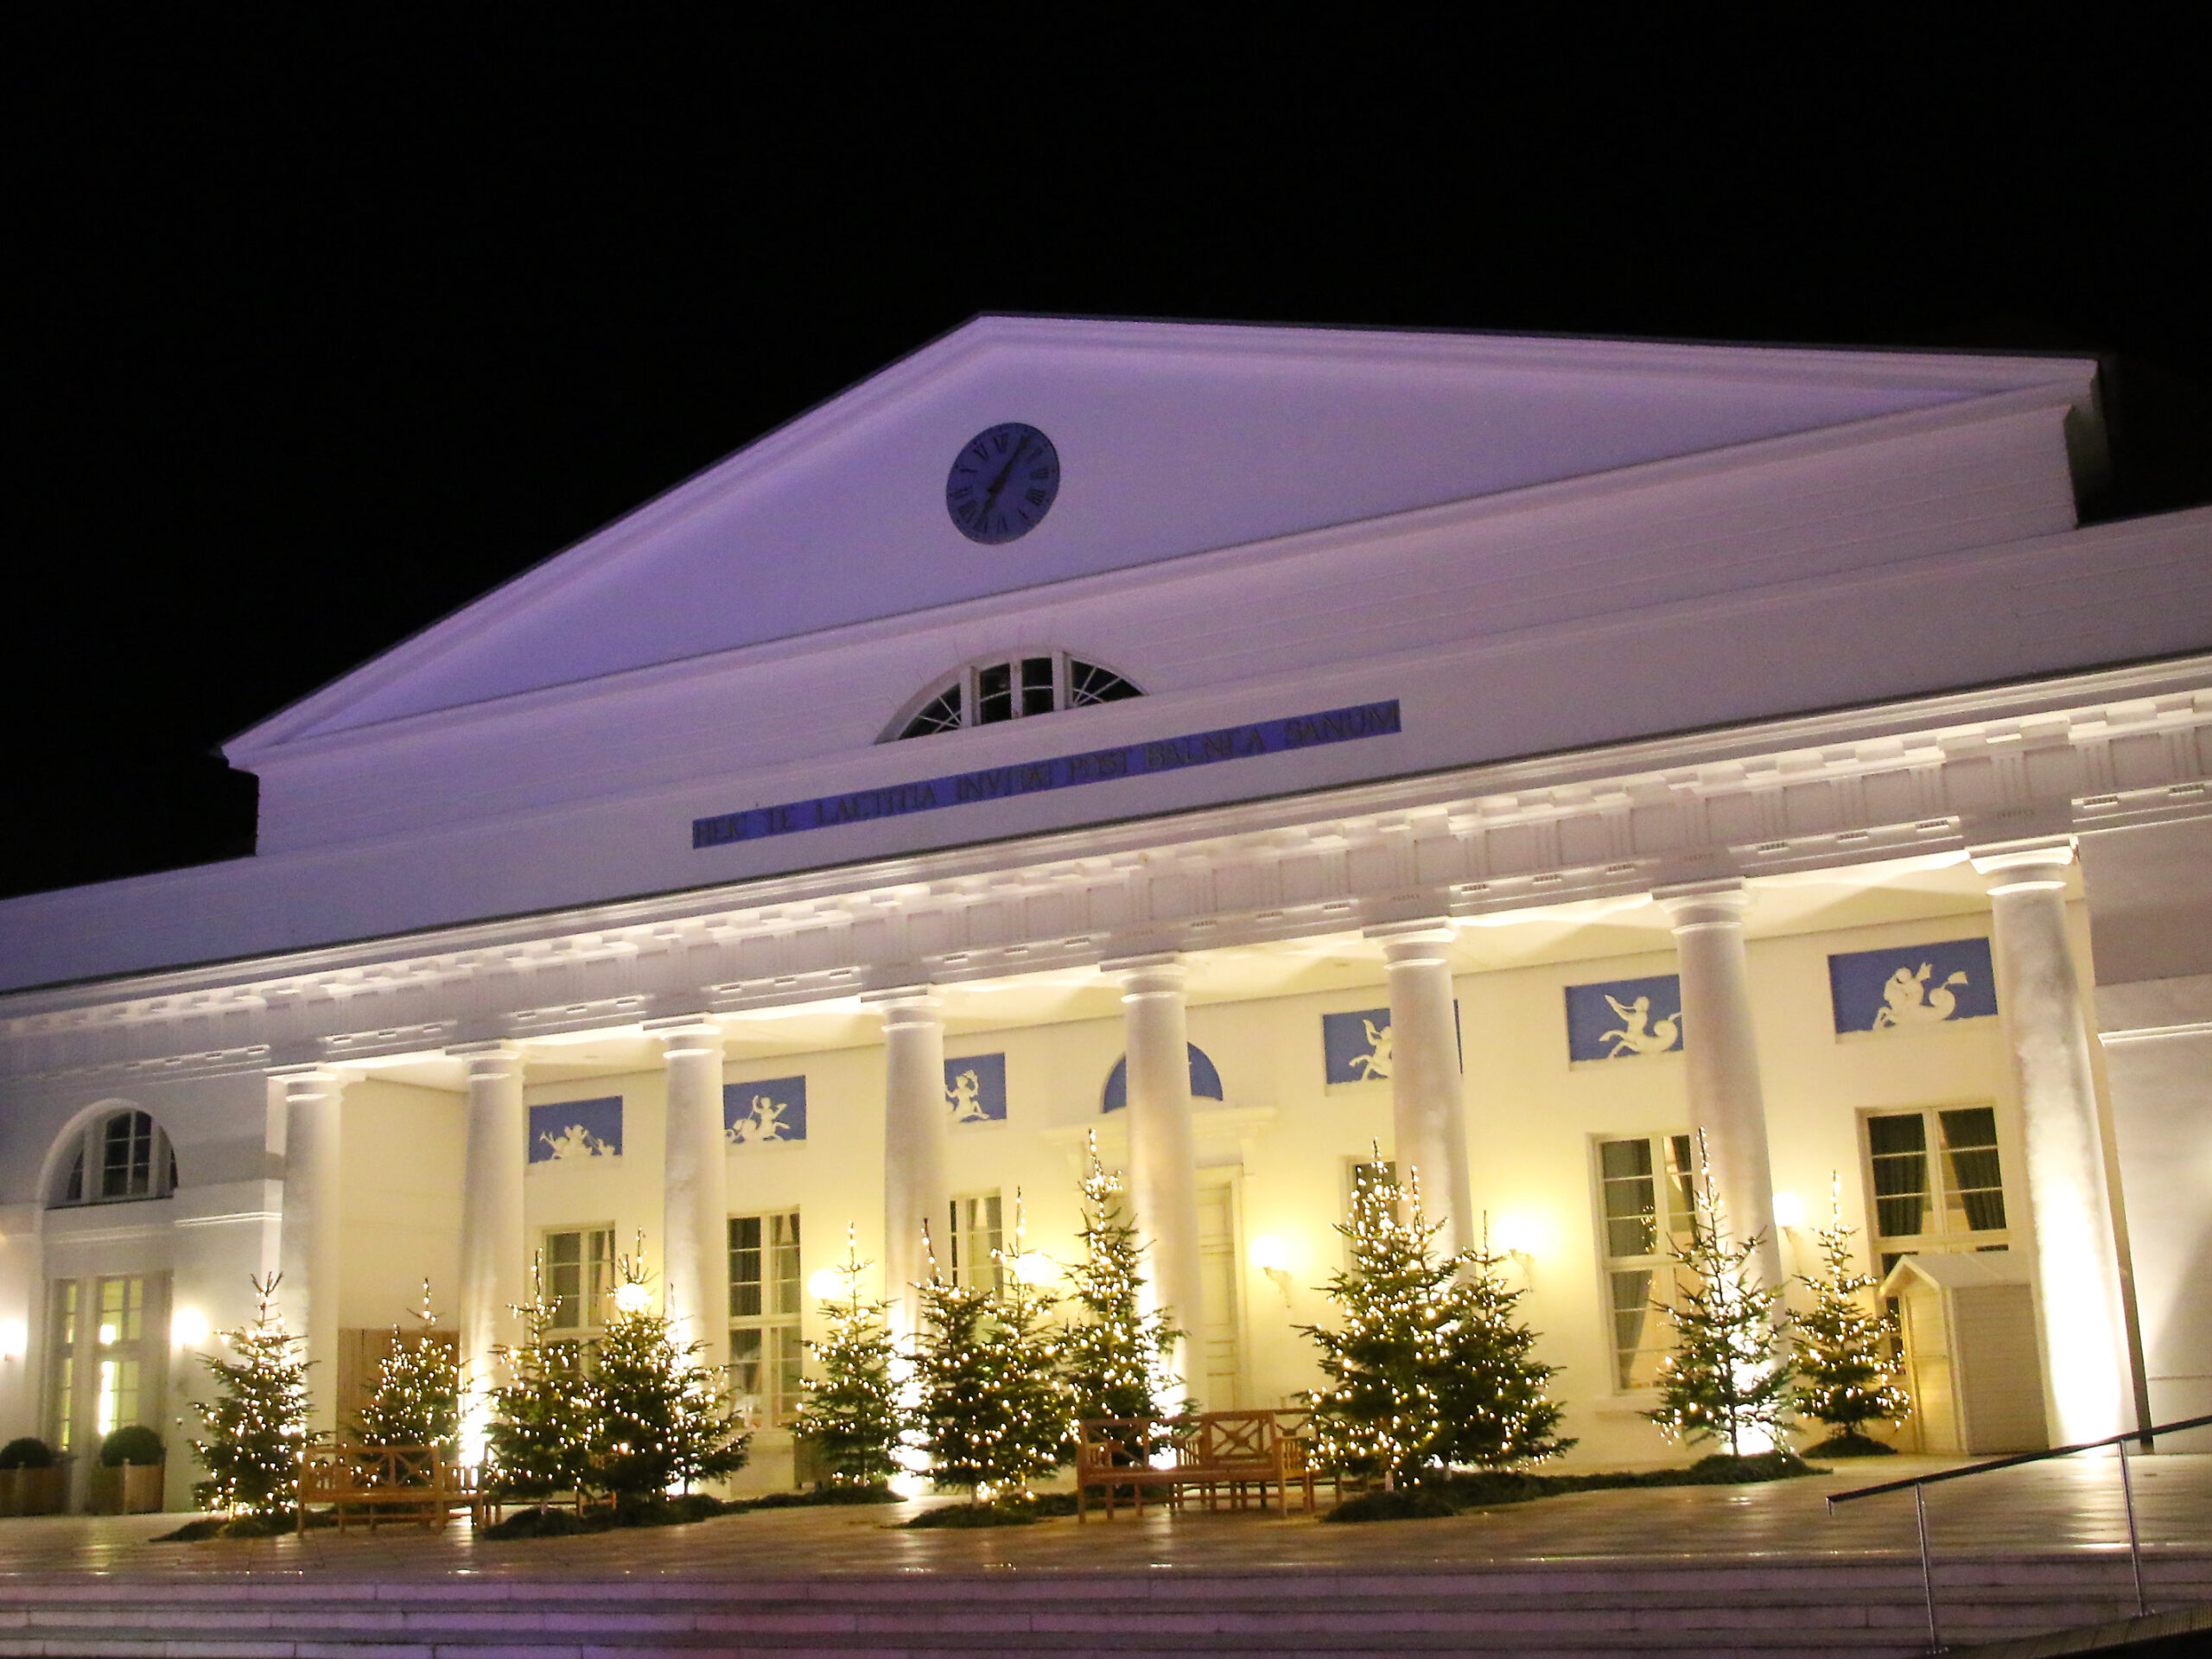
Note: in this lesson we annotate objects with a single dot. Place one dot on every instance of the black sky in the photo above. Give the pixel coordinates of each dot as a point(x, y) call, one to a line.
point(323, 327)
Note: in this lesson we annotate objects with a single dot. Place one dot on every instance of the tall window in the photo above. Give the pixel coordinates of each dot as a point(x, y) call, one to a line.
point(1937, 1181)
point(102, 1366)
point(1645, 1206)
point(579, 1280)
point(121, 1156)
point(62, 1366)
point(976, 1238)
point(983, 694)
point(765, 1357)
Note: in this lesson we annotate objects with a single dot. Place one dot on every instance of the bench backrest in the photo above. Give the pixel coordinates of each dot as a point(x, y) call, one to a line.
point(347, 1467)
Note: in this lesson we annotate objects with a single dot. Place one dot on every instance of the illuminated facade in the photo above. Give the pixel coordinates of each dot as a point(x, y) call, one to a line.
point(1258, 746)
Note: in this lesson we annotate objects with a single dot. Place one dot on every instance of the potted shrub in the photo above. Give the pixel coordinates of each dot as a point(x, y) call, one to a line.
point(128, 1479)
point(32, 1481)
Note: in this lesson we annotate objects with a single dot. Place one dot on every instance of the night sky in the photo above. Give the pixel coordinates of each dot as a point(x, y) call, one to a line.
point(320, 333)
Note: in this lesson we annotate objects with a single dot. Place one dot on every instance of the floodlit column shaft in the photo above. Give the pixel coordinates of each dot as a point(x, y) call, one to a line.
point(1720, 1053)
point(1428, 1114)
point(2086, 1373)
point(1163, 1150)
point(694, 1186)
point(307, 1288)
point(494, 1248)
point(915, 1190)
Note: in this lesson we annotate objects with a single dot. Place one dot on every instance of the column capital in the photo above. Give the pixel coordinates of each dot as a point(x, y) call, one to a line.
point(498, 1056)
point(904, 1004)
point(309, 1082)
point(1425, 939)
point(687, 1033)
point(2024, 866)
point(1160, 973)
point(1695, 905)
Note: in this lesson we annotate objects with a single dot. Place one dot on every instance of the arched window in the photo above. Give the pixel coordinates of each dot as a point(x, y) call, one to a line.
point(117, 1157)
point(1011, 687)
point(1205, 1080)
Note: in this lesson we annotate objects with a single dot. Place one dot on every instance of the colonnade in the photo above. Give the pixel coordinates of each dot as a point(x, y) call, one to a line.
point(2076, 1272)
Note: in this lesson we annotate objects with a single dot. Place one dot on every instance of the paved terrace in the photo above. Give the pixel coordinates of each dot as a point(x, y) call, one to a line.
point(2071, 1505)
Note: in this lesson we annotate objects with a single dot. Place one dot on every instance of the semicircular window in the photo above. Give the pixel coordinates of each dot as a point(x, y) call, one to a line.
point(1205, 1081)
point(1012, 688)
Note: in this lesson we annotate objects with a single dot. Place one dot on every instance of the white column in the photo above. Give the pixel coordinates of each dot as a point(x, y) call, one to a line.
point(1163, 1150)
point(695, 1213)
point(494, 1245)
point(1428, 1114)
point(309, 1252)
point(914, 1118)
point(1720, 1052)
point(2086, 1380)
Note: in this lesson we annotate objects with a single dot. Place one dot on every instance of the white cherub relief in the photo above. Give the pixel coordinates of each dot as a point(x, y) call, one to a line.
point(1375, 1063)
point(964, 1097)
point(1906, 999)
point(1638, 1035)
point(764, 1122)
point(574, 1143)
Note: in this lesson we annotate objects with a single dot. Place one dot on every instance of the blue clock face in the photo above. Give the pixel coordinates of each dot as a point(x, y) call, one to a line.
point(1003, 483)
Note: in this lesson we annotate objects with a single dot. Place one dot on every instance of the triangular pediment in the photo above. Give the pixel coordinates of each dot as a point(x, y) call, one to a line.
point(1173, 439)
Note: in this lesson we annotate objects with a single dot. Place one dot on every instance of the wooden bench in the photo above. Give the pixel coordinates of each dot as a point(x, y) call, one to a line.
point(374, 1483)
point(1235, 1454)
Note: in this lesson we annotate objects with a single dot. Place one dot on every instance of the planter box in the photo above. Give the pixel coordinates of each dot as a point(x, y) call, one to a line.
point(126, 1489)
point(34, 1492)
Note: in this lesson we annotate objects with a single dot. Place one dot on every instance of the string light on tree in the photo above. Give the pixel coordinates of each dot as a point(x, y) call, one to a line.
point(1114, 1355)
point(851, 1412)
point(1846, 1379)
point(257, 1424)
point(416, 1400)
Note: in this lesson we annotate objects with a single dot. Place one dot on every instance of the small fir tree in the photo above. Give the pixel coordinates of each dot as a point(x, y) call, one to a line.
point(539, 1437)
point(991, 1412)
point(417, 1398)
point(1113, 1355)
point(851, 1411)
point(1727, 1378)
point(1846, 1378)
point(257, 1424)
point(1492, 1409)
point(1430, 1368)
point(660, 1419)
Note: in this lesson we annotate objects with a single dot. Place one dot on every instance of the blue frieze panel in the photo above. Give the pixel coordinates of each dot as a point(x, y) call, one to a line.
point(1912, 985)
point(974, 1088)
point(1623, 1018)
point(575, 1131)
point(771, 1112)
point(1205, 1081)
point(1356, 1046)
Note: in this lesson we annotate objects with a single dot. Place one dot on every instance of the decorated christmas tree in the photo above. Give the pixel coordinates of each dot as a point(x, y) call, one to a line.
point(1492, 1409)
point(540, 1431)
point(660, 1419)
point(1113, 1355)
point(416, 1397)
point(1727, 1378)
point(851, 1412)
point(991, 1412)
point(1429, 1367)
point(257, 1424)
point(1845, 1375)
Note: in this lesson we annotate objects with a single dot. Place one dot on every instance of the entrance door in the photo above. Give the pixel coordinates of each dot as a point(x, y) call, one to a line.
point(1217, 1353)
point(105, 1363)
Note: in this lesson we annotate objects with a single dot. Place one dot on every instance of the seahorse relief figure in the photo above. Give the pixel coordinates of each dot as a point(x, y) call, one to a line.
point(1906, 999)
point(1638, 1035)
point(574, 1143)
point(764, 1122)
point(964, 1097)
point(1375, 1061)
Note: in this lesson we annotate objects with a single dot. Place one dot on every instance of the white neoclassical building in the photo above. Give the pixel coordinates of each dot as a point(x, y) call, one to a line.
point(1259, 748)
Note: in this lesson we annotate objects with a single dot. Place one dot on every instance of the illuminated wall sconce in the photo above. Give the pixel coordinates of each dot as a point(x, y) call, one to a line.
point(188, 1328)
point(1789, 1211)
point(1033, 1268)
point(633, 1299)
point(14, 1338)
point(1272, 1256)
point(1523, 1237)
point(825, 1284)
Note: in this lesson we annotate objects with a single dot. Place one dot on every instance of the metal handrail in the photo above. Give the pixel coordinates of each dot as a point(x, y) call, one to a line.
point(1916, 1485)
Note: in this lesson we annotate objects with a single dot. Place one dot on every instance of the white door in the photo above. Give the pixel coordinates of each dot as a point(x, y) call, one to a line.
point(1217, 1353)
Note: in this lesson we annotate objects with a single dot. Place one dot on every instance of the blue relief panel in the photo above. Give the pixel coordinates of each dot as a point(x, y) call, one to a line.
point(770, 1111)
point(1356, 1046)
point(573, 1131)
point(1622, 1019)
point(1912, 985)
point(974, 1088)
point(1205, 1081)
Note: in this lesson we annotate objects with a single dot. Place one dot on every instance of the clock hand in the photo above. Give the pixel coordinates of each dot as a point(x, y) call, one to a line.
point(1007, 471)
